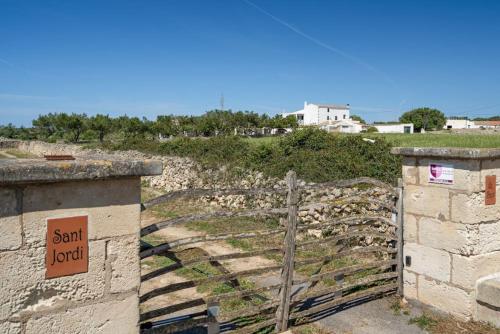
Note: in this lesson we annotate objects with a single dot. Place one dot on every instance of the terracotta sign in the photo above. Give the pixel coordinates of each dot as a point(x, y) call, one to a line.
point(67, 246)
point(490, 193)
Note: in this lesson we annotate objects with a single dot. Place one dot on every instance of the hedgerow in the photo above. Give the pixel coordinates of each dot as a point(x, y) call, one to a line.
point(316, 156)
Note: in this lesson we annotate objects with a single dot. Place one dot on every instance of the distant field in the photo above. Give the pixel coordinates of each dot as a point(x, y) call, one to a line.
point(441, 140)
point(422, 140)
point(261, 140)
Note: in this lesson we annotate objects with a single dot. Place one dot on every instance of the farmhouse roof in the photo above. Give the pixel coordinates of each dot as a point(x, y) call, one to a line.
point(332, 106)
point(489, 123)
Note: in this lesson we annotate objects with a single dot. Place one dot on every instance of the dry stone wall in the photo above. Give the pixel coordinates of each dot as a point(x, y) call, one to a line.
point(185, 173)
point(178, 172)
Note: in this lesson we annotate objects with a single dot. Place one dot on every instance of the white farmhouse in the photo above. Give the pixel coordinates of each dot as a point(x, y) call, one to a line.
point(315, 114)
point(460, 123)
point(394, 128)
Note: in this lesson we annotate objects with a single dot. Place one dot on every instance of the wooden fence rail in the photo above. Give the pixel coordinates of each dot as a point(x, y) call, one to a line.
point(355, 282)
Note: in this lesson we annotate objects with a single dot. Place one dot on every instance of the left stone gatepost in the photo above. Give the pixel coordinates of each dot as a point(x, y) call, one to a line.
point(69, 245)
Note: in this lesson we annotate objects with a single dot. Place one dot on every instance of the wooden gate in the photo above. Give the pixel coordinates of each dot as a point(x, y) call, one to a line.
point(333, 261)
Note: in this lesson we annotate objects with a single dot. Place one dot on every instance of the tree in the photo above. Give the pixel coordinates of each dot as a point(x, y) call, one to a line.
point(358, 118)
point(8, 131)
point(46, 125)
point(492, 118)
point(102, 124)
point(279, 121)
point(132, 127)
point(165, 126)
point(424, 118)
point(74, 125)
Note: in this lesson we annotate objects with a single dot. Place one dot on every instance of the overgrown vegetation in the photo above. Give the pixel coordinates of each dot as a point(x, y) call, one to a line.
point(314, 154)
point(423, 321)
point(78, 127)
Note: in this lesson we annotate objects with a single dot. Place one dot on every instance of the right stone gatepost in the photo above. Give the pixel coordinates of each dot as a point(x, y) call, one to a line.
point(451, 226)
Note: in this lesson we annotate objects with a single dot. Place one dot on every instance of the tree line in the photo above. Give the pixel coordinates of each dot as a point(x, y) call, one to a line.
point(77, 127)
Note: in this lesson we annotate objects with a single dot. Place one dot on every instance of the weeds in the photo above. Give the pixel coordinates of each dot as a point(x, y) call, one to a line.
point(424, 322)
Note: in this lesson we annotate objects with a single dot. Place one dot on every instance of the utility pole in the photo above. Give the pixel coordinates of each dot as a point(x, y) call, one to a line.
point(222, 102)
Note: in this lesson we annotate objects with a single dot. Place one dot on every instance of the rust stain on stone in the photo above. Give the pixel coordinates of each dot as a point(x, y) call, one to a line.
point(52, 157)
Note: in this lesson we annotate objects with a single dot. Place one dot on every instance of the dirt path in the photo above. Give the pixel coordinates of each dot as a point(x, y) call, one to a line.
point(4, 154)
point(212, 248)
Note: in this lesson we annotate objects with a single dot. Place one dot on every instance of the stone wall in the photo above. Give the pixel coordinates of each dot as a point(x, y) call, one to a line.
point(451, 236)
point(104, 299)
point(178, 172)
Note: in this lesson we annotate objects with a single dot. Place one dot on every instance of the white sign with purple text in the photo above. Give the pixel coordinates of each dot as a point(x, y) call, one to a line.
point(440, 173)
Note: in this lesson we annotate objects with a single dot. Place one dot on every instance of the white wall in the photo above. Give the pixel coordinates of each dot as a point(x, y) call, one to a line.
point(313, 114)
point(330, 114)
point(460, 124)
point(345, 126)
point(393, 128)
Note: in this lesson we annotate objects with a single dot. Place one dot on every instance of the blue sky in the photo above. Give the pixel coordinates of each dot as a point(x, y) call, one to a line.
point(147, 58)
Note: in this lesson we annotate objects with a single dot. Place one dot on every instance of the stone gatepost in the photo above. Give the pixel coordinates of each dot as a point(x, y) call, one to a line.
point(452, 230)
point(69, 243)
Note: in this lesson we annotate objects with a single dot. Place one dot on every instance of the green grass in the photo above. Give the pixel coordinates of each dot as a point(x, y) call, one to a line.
point(309, 329)
point(424, 322)
point(157, 261)
point(418, 139)
point(262, 140)
point(243, 244)
point(241, 225)
point(233, 225)
point(173, 209)
point(148, 193)
point(439, 140)
point(153, 239)
point(20, 154)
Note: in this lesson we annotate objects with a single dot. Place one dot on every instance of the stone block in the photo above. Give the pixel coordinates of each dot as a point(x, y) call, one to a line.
point(410, 171)
point(444, 297)
point(427, 201)
point(452, 237)
point(10, 219)
point(125, 265)
point(410, 228)
point(489, 237)
point(24, 289)
point(467, 270)
point(466, 174)
point(487, 314)
point(429, 261)
point(410, 284)
point(111, 211)
point(10, 327)
point(488, 291)
point(470, 209)
point(120, 316)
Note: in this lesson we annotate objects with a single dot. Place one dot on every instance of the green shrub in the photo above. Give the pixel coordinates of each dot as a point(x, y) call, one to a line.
point(315, 155)
point(318, 156)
